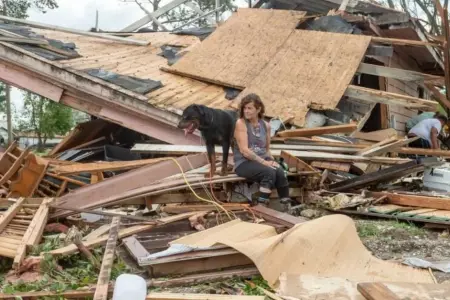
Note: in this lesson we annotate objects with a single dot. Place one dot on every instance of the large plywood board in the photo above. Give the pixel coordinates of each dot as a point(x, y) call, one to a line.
point(238, 50)
point(312, 69)
point(328, 246)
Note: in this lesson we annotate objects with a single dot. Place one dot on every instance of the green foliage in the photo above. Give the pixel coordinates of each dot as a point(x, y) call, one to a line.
point(251, 287)
point(19, 8)
point(368, 230)
point(68, 273)
point(45, 118)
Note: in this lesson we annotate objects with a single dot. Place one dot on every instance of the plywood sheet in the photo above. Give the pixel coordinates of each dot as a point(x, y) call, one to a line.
point(328, 246)
point(238, 50)
point(331, 288)
point(312, 69)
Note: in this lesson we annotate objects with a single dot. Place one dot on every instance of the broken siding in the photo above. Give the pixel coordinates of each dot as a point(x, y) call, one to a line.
point(399, 115)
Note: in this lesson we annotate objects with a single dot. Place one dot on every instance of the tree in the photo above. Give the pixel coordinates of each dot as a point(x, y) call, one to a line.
point(182, 13)
point(45, 118)
point(423, 10)
point(19, 8)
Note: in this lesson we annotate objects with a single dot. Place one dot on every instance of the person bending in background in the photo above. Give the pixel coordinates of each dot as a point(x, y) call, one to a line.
point(420, 117)
point(428, 131)
point(251, 151)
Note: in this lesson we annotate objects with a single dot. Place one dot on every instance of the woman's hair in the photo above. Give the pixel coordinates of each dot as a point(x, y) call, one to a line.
point(256, 101)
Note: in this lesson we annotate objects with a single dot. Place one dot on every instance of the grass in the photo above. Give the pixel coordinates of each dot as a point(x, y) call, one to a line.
point(368, 229)
point(250, 288)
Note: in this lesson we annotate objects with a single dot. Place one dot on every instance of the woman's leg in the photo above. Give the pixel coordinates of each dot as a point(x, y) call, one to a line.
point(282, 185)
point(261, 174)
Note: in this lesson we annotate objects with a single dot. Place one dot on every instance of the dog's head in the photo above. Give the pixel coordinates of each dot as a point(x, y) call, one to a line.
point(191, 118)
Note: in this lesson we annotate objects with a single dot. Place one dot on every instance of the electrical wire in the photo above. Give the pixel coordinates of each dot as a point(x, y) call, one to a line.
point(197, 196)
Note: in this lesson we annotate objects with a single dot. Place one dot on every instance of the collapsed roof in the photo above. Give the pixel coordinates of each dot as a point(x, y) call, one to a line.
point(124, 83)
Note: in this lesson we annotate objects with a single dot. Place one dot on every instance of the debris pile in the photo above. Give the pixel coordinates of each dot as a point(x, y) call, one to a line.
point(136, 190)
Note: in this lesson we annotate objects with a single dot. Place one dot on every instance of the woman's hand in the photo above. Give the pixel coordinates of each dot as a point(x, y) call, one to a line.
point(271, 164)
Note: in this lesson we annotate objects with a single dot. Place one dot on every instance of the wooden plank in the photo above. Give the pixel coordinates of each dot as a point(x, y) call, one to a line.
point(104, 166)
point(74, 31)
point(329, 165)
point(277, 217)
point(174, 296)
point(294, 162)
point(377, 96)
point(388, 147)
point(395, 73)
point(402, 42)
point(191, 255)
point(195, 279)
point(201, 265)
point(442, 99)
point(28, 178)
point(307, 132)
point(377, 145)
point(15, 166)
point(383, 175)
point(95, 195)
point(101, 292)
point(416, 200)
point(202, 207)
point(331, 60)
point(33, 234)
point(231, 60)
point(322, 156)
point(135, 248)
point(376, 291)
point(97, 232)
point(275, 148)
point(70, 249)
point(6, 218)
point(376, 136)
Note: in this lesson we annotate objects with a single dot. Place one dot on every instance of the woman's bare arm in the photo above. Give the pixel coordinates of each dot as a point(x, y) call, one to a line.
point(240, 134)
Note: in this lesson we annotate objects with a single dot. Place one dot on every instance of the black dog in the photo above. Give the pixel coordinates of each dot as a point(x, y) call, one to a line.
point(217, 128)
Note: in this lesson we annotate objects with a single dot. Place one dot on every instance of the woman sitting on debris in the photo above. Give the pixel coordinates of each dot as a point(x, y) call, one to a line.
point(252, 158)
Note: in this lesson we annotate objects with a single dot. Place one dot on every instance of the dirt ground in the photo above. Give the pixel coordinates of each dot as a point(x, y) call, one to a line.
point(392, 240)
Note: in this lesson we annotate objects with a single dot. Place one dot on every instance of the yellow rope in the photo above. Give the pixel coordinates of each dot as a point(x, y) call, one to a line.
point(198, 197)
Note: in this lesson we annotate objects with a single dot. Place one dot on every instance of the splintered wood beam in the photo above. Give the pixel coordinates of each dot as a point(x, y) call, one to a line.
point(104, 166)
point(375, 146)
point(306, 132)
point(389, 147)
point(442, 99)
point(70, 249)
point(403, 42)
point(376, 291)
point(101, 292)
point(6, 218)
point(34, 232)
point(415, 200)
point(395, 73)
point(75, 31)
point(376, 96)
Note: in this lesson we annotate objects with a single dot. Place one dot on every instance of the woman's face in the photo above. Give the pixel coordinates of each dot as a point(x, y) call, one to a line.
point(250, 111)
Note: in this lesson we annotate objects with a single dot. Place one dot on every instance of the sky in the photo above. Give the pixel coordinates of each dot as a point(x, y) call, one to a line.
point(80, 14)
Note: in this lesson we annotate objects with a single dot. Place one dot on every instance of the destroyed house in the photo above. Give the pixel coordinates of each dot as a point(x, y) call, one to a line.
point(375, 68)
